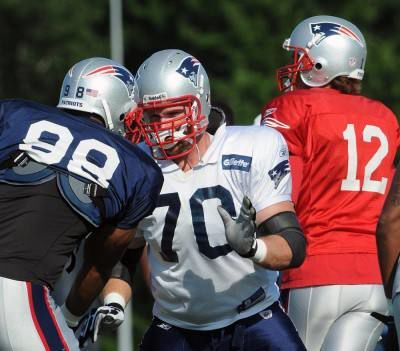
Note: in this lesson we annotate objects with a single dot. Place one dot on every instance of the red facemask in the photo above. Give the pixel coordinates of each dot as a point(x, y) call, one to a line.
point(286, 76)
point(162, 136)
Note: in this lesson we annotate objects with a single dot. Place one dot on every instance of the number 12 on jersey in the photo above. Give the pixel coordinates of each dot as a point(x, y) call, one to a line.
point(351, 183)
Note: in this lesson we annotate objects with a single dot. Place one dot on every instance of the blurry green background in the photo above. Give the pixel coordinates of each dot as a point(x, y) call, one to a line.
point(239, 43)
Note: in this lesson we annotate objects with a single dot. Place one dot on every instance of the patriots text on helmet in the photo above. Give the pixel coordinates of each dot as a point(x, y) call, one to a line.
point(71, 103)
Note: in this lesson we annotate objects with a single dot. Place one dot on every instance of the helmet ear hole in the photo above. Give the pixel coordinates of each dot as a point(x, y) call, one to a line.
point(122, 117)
point(318, 66)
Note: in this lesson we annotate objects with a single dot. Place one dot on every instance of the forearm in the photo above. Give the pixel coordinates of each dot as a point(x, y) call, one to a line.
point(388, 234)
point(388, 244)
point(278, 253)
point(280, 241)
point(284, 240)
point(102, 251)
point(87, 286)
point(117, 291)
point(119, 287)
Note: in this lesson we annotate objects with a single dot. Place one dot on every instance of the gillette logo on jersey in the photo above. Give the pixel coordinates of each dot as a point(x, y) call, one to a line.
point(326, 29)
point(189, 68)
point(237, 162)
point(278, 172)
point(116, 71)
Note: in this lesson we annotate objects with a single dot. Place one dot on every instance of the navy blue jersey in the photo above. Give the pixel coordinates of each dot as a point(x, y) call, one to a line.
point(77, 150)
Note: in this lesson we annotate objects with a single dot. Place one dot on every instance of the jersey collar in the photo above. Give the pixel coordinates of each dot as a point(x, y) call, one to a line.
point(211, 155)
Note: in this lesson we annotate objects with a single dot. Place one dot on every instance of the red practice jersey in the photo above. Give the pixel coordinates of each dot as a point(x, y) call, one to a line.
point(347, 144)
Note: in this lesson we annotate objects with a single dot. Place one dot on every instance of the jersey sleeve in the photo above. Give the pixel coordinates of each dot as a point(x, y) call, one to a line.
point(271, 180)
point(144, 199)
point(288, 116)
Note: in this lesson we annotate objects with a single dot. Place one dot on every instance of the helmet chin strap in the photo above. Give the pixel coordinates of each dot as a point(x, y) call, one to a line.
point(198, 157)
point(197, 153)
point(110, 124)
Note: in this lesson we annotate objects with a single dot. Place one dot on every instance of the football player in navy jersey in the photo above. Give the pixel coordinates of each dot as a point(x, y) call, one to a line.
point(208, 276)
point(66, 172)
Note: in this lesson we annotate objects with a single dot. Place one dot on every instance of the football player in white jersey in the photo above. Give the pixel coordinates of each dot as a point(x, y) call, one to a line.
point(213, 279)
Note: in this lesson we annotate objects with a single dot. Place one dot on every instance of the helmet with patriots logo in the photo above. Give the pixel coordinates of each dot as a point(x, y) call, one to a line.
point(323, 48)
point(100, 86)
point(171, 78)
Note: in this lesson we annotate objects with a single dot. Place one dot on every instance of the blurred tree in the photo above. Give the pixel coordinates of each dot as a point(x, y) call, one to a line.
point(40, 40)
point(240, 42)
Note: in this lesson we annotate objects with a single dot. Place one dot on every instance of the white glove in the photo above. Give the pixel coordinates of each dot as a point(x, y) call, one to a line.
point(109, 317)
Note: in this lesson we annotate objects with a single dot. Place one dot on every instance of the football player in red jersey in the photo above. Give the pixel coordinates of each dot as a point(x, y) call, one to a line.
point(344, 144)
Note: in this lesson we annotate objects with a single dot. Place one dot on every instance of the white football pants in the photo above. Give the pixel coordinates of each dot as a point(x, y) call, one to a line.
point(337, 317)
point(30, 320)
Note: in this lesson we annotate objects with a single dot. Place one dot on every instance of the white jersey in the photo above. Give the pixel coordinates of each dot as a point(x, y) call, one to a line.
point(198, 282)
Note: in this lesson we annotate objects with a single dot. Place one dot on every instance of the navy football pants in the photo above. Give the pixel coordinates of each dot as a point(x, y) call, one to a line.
point(264, 331)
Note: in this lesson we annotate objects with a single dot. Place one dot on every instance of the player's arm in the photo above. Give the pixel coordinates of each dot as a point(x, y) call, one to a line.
point(103, 249)
point(272, 238)
point(115, 295)
point(282, 115)
point(388, 234)
point(122, 274)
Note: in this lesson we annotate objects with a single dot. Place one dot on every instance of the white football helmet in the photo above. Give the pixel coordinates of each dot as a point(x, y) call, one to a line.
point(100, 86)
point(324, 47)
point(172, 78)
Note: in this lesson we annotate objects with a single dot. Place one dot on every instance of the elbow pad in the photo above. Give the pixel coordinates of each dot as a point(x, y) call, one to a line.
point(125, 268)
point(286, 225)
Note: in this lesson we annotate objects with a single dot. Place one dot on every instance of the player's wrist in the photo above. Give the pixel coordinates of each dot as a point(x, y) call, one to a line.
point(260, 251)
point(115, 298)
point(71, 319)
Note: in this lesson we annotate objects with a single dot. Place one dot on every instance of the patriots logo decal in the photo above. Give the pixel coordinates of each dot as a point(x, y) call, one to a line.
point(278, 172)
point(326, 29)
point(189, 68)
point(116, 71)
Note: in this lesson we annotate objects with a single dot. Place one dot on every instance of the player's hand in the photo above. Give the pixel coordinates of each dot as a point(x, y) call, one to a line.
point(241, 232)
point(97, 320)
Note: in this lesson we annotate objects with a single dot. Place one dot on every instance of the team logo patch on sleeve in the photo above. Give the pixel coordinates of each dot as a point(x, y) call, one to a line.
point(278, 172)
point(237, 162)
